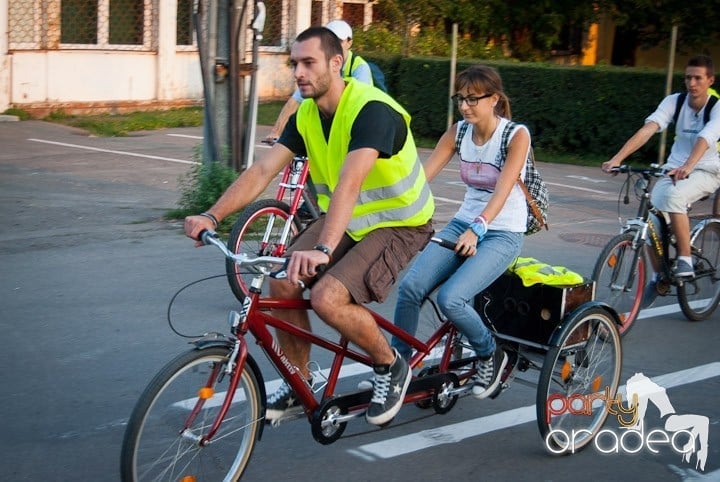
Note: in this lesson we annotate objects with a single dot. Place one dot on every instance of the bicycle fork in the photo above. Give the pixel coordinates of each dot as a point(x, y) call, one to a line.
point(234, 369)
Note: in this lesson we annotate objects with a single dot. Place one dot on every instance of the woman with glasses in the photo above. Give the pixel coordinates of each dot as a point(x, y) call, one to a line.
point(488, 228)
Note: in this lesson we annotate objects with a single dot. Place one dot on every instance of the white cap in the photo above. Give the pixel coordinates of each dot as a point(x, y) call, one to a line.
point(340, 28)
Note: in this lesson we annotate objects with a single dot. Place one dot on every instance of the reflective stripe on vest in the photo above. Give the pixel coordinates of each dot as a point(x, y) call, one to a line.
point(395, 191)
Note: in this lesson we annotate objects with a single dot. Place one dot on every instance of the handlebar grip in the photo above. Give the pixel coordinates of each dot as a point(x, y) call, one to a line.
point(443, 242)
point(205, 234)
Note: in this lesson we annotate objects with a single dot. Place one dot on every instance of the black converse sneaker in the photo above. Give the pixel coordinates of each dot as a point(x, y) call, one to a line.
point(282, 403)
point(487, 379)
point(389, 387)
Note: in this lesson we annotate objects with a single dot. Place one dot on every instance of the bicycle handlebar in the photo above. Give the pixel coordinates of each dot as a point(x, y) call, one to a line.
point(209, 237)
point(652, 170)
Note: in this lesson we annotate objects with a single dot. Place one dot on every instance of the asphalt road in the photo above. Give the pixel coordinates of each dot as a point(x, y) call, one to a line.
point(89, 264)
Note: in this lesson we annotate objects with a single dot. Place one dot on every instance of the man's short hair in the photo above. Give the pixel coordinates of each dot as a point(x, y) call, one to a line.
point(329, 43)
point(702, 61)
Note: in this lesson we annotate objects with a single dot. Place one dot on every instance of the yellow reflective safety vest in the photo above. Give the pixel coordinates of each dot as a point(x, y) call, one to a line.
point(352, 62)
point(395, 191)
point(531, 271)
point(714, 93)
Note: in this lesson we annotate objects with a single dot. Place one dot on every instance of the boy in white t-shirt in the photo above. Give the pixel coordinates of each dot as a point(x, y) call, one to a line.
point(693, 151)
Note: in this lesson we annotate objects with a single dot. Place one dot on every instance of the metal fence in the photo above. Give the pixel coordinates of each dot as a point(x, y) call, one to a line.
point(133, 24)
point(89, 24)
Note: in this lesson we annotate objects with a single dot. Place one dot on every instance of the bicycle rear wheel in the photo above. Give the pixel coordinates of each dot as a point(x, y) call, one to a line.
point(262, 229)
point(699, 297)
point(619, 276)
point(178, 408)
point(586, 361)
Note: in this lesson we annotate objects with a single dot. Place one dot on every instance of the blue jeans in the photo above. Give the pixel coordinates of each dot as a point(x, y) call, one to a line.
point(462, 278)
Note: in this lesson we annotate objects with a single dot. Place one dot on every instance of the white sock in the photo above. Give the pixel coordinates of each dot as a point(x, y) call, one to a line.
point(687, 259)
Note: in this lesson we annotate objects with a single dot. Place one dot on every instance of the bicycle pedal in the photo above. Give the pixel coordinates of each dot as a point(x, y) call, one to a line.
point(663, 288)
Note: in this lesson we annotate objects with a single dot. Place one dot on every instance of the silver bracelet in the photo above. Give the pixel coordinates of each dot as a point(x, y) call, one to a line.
point(211, 217)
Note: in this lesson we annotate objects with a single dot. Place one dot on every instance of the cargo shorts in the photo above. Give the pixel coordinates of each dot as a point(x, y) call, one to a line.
point(368, 268)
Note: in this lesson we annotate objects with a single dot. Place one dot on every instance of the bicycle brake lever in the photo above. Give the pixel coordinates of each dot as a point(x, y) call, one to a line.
point(282, 272)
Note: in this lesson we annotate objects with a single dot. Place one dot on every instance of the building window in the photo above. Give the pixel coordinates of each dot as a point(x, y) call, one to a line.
point(184, 26)
point(354, 14)
point(108, 24)
point(272, 35)
point(316, 14)
point(79, 20)
point(126, 22)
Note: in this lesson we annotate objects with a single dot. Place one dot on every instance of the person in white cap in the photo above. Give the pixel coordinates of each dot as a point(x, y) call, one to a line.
point(355, 67)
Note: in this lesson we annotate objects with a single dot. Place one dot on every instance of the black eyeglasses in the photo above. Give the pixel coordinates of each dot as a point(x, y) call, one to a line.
point(471, 100)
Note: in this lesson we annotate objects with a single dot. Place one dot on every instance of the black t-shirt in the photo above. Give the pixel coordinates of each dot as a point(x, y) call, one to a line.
point(377, 126)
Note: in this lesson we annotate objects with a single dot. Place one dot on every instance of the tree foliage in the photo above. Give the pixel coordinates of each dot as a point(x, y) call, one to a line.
point(536, 30)
point(652, 20)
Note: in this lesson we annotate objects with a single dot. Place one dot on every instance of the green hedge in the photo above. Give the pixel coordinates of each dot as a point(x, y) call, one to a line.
point(569, 109)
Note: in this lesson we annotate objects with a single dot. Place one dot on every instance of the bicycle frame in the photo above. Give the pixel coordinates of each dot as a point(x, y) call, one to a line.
point(650, 229)
point(294, 178)
point(255, 319)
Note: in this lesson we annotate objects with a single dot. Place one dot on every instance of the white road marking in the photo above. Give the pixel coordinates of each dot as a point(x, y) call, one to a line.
point(185, 135)
point(447, 200)
point(262, 145)
point(595, 191)
point(588, 179)
point(457, 432)
point(692, 475)
point(110, 151)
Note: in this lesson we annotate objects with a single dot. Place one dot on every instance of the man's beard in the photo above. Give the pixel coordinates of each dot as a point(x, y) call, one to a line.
point(319, 89)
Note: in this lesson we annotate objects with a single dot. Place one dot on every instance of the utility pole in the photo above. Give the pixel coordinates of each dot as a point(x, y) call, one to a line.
point(668, 88)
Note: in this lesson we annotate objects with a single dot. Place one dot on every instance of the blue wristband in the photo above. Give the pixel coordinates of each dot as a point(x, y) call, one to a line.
point(480, 229)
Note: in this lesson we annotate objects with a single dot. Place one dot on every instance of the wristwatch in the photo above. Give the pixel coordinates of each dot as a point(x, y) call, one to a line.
point(324, 249)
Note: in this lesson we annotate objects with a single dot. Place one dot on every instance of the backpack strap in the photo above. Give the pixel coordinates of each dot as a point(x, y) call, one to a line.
point(531, 202)
point(708, 108)
point(678, 105)
point(461, 130)
point(706, 114)
point(505, 139)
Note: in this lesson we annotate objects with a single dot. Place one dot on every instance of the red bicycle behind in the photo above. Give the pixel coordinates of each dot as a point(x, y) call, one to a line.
point(266, 226)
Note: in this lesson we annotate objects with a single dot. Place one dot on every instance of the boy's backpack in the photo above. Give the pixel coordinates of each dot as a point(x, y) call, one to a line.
point(535, 189)
point(706, 113)
point(378, 77)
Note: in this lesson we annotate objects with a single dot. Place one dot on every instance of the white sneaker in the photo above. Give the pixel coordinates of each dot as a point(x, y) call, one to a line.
point(487, 379)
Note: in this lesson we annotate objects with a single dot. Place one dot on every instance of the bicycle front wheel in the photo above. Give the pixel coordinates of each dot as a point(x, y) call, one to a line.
point(163, 437)
point(699, 296)
point(262, 229)
point(619, 276)
point(585, 364)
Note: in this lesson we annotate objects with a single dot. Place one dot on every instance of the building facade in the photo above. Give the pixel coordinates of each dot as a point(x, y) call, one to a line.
point(122, 55)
